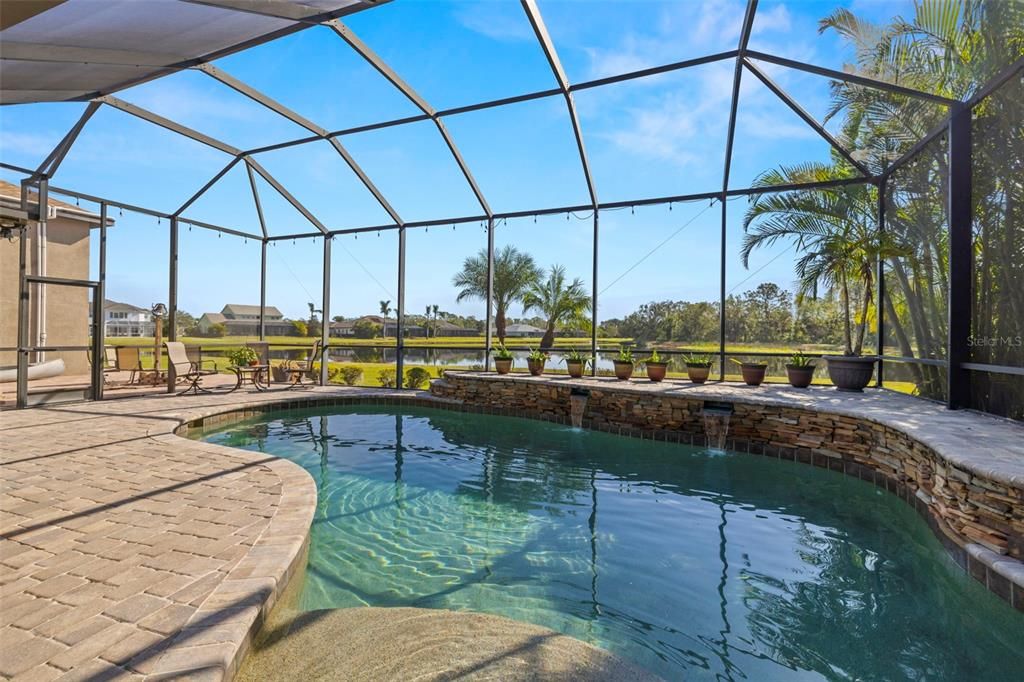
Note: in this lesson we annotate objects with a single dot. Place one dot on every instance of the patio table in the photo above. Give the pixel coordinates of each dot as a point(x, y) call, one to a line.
point(257, 375)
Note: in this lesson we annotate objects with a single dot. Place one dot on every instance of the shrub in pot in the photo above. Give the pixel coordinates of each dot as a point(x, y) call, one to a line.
point(753, 372)
point(800, 370)
point(576, 363)
point(656, 367)
point(624, 363)
point(244, 356)
point(698, 367)
point(503, 359)
point(535, 362)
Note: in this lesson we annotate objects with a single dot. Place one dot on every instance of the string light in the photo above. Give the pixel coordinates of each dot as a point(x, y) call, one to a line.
point(632, 210)
point(670, 205)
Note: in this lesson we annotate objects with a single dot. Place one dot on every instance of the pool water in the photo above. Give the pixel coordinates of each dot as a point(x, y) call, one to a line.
point(691, 564)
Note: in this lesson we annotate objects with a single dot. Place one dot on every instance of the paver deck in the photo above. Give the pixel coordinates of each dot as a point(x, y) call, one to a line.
point(126, 551)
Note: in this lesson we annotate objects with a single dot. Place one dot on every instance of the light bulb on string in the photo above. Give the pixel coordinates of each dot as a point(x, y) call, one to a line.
point(670, 205)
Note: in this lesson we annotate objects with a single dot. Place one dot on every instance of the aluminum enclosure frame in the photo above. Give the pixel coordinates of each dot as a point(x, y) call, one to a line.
point(956, 124)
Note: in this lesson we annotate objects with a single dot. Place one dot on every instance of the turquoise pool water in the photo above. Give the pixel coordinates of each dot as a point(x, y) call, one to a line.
point(693, 565)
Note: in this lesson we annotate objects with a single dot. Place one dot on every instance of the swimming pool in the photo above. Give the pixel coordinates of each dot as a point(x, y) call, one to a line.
point(690, 564)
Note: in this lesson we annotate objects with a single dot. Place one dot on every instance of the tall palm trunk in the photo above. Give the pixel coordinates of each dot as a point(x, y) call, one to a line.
point(862, 327)
point(845, 295)
point(500, 323)
point(548, 340)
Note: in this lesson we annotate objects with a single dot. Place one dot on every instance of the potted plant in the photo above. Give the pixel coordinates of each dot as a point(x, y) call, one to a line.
point(576, 363)
point(800, 370)
point(503, 359)
point(244, 356)
point(535, 362)
point(656, 367)
point(624, 363)
point(753, 372)
point(698, 367)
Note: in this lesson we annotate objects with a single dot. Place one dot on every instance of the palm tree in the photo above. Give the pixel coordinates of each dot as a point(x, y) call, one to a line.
point(514, 272)
point(835, 234)
point(385, 310)
point(435, 309)
point(558, 302)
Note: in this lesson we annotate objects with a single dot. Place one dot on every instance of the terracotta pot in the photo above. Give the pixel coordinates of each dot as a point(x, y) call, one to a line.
point(503, 366)
point(800, 377)
point(575, 368)
point(656, 371)
point(850, 372)
point(253, 363)
point(698, 373)
point(753, 373)
point(536, 367)
point(623, 370)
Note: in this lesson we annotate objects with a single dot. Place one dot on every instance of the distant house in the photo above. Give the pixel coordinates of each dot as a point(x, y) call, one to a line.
point(125, 319)
point(446, 328)
point(520, 330)
point(244, 320)
point(347, 327)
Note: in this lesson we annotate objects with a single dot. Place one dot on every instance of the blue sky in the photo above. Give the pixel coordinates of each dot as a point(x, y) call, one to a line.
point(651, 137)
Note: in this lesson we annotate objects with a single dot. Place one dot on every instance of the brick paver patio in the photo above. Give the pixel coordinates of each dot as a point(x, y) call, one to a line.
point(126, 551)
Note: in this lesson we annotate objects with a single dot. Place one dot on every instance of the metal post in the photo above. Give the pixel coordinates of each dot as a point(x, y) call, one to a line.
point(43, 203)
point(880, 285)
point(22, 378)
point(325, 328)
point(263, 290)
point(721, 298)
point(99, 330)
point(593, 301)
point(960, 257)
point(488, 341)
point(400, 323)
point(172, 299)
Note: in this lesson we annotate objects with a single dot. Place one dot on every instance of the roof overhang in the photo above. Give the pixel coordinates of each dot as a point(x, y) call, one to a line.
point(77, 50)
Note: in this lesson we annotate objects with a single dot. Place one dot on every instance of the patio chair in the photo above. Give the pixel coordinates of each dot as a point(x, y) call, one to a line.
point(128, 359)
point(300, 369)
point(185, 370)
point(109, 362)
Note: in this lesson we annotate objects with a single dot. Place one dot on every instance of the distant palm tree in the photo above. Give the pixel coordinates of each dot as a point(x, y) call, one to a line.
point(514, 272)
point(558, 302)
point(435, 309)
point(385, 310)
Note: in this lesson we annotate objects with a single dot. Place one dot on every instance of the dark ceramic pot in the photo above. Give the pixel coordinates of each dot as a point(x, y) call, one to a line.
point(851, 372)
point(753, 373)
point(800, 376)
point(575, 368)
point(536, 367)
point(698, 373)
point(656, 371)
point(623, 370)
point(503, 366)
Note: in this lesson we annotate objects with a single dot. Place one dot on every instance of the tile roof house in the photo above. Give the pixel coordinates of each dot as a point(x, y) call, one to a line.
point(244, 320)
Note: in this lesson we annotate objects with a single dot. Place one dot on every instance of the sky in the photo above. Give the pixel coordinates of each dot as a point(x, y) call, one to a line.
point(658, 136)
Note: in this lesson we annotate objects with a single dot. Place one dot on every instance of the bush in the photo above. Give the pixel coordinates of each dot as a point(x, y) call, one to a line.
point(365, 329)
point(416, 377)
point(387, 378)
point(217, 331)
point(299, 328)
point(349, 375)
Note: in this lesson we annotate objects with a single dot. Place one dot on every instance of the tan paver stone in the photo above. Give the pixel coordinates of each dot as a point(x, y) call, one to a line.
point(135, 608)
point(28, 654)
point(57, 585)
point(92, 646)
point(169, 619)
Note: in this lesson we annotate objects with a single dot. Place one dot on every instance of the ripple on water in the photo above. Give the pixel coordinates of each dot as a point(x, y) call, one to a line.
point(723, 567)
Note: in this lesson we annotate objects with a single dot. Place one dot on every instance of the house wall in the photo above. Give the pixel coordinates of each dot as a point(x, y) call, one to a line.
point(67, 316)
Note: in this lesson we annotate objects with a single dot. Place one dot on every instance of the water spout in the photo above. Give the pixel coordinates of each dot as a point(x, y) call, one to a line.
point(716, 425)
point(577, 404)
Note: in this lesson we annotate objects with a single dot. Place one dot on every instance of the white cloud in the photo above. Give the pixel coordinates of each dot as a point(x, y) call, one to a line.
point(497, 21)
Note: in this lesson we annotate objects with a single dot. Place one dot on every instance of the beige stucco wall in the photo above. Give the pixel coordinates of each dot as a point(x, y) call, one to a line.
point(67, 308)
